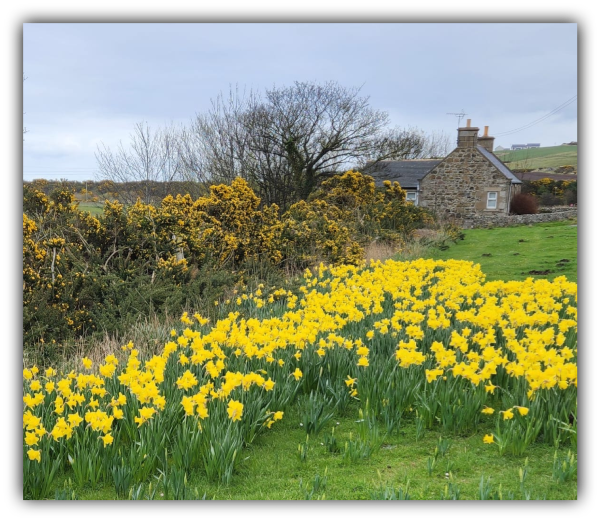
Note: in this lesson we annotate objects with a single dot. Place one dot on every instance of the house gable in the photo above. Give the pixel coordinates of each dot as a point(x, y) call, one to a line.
point(471, 181)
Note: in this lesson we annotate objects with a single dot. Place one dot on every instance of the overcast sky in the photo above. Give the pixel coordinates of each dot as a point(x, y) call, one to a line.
point(91, 83)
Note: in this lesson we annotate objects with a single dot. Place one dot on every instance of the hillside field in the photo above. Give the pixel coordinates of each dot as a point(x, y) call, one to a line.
point(541, 158)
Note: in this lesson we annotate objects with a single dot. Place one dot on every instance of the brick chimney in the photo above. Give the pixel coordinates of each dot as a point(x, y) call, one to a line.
point(487, 142)
point(467, 136)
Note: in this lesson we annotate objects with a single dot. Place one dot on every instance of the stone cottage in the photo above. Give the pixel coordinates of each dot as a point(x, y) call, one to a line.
point(471, 183)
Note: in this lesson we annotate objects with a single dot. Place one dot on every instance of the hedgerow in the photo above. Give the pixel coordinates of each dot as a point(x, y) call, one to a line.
point(84, 274)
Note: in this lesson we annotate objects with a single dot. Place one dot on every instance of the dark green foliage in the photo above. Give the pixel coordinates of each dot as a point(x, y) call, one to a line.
point(570, 194)
point(550, 192)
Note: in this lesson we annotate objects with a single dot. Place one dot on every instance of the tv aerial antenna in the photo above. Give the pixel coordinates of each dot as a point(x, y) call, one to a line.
point(460, 116)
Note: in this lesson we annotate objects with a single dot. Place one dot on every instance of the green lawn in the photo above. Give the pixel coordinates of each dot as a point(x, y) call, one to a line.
point(545, 250)
point(94, 208)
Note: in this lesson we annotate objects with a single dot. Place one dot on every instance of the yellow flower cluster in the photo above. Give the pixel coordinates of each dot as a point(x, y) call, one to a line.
point(440, 316)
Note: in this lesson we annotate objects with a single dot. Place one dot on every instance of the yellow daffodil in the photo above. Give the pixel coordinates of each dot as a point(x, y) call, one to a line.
point(31, 438)
point(433, 374)
point(74, 419)
point(490, 387)
point(186, 381)
point(362, 351)
point(34, 455)
point(235, 410)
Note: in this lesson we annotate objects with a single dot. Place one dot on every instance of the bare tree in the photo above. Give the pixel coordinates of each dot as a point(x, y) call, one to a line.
point(215, 147)
point(288, 141)
point(145, 169)
point(437, 145)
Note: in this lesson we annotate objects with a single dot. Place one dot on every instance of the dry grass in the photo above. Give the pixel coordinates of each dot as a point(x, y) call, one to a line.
point(379, 251)
point(421, 245)
point(148, 336)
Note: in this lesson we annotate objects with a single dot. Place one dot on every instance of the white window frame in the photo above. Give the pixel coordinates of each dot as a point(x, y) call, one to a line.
point(414, 198)
point(492, 200)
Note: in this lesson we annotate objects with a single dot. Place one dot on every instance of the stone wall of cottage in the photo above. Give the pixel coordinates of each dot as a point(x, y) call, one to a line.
point(458, 187)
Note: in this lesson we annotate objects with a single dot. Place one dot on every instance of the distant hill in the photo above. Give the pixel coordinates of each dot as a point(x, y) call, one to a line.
point(542, 158)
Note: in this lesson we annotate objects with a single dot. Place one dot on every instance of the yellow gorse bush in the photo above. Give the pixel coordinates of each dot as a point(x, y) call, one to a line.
point(68, 255)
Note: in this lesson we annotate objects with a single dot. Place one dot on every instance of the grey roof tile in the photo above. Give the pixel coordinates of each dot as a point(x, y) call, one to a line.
point(407, 173)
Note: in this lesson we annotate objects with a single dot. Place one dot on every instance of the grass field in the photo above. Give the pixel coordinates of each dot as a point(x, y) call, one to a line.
point(544, 250)
point(94, 208)
point(540, 158)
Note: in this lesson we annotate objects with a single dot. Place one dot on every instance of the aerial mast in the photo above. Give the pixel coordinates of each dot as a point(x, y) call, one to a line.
point(460, 116)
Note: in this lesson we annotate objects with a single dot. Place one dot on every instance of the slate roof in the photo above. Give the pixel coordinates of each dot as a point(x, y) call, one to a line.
point(407, 173)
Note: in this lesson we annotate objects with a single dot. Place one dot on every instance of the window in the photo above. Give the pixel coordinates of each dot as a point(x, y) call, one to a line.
point(411, 196)
point(492, 199)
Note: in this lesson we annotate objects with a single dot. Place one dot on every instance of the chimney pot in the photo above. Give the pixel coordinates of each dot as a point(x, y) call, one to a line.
point(468, 122)
point(486, 141)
